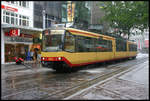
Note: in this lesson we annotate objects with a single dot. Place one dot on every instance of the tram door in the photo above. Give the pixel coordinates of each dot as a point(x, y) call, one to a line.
point(114, 47)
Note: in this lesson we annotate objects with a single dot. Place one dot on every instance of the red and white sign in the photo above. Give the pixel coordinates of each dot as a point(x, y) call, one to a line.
point(9, 8)
point(14, 32)
point(147, 43)
point(26, 35)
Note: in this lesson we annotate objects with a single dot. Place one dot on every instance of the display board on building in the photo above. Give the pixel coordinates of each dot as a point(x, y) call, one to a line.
point(14, 32)
point(14, 35)
point(70, 11)
point(9, 8)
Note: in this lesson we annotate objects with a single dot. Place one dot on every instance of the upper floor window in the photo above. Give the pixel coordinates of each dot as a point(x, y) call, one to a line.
point(13, 18)
point(19, 3)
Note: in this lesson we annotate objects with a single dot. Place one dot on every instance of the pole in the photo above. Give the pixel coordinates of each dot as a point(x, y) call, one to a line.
point(43, 19)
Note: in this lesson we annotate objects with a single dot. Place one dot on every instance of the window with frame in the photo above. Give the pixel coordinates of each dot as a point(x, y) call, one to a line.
point(23, 20)
point(80, 44)
point(121, 45)
point(69, 44)
point(10, 17)
point(104, 45)
point(132, 47)
point(4, 16)
point(85, 44)
point(24, 4)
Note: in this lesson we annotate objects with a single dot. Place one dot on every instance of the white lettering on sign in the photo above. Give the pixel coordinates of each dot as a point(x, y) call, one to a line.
point(9, 8)
point(57, 31)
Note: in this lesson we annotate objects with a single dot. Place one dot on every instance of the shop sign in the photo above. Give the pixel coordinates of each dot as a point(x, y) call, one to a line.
point(57, 31)
point(18, 39)
point(14, 32)
point(46, 32)
point(9, 8)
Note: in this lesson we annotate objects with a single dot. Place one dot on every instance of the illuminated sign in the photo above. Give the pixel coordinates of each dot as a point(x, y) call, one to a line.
point(46, 32)
point(18, 39)
point(70, 11)
point(9, 8)
point(57, 31)
point(14, 32)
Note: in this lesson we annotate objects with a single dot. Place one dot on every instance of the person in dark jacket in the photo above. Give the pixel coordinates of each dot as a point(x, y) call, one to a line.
point(35, 54)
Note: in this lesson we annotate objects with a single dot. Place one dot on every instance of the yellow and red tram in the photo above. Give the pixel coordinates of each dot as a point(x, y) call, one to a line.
point(71, 47)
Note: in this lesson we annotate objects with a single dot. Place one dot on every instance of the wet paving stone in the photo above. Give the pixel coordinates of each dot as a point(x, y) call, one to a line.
point(27, 95)
point(18, 88)
point(96, 94)
point(50, 85)
point(127, 88)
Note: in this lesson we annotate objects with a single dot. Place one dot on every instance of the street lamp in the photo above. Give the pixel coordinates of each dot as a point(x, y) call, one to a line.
point(43, 12)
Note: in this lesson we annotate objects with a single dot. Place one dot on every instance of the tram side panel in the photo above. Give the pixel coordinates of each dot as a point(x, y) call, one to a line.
point(132, 51)
point(121, 50)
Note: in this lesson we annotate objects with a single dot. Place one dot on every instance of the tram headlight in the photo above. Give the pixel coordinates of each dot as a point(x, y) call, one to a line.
point(59, 58)
point(43, 58)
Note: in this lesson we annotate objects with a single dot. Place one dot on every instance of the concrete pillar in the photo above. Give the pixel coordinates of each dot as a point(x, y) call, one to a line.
point(2, 47)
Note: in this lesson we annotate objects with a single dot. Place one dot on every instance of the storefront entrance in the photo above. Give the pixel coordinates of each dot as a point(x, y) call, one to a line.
point(12, 50)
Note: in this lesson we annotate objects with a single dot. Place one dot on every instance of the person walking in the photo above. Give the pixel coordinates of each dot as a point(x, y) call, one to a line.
point(31, 53)
point(35, 55)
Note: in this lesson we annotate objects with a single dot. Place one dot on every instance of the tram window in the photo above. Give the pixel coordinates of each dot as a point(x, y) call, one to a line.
point(104, 45)
point(85, 44)
point(121, 45)
point(132, 47)
point(80, 44)
point(90, 45)
point(69, 44)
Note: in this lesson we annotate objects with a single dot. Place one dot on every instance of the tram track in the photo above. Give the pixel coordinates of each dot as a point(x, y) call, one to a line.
point(67, 92)
point(83, 84)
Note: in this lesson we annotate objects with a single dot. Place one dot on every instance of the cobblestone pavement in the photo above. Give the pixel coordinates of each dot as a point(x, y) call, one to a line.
point(19, 82)
point(131, 85)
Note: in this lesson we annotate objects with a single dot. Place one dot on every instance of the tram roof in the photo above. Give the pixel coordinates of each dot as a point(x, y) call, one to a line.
point(87, 33)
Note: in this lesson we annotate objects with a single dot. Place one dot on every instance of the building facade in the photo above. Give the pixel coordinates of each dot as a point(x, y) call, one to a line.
point(17, 32)
point(96, 14)
point(52, 13)
point(142, 40)
point(17, 13)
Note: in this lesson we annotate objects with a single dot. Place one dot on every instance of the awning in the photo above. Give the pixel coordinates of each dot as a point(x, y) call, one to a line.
point(30, 30)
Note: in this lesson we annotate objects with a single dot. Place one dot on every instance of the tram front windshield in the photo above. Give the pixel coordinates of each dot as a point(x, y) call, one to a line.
point(52, 42)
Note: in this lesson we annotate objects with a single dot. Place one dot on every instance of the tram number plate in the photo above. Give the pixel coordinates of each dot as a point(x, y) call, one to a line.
point(50, 59)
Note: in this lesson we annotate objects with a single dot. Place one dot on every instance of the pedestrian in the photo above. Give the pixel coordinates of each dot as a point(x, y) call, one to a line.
point(35, 55)
point(31, 53)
